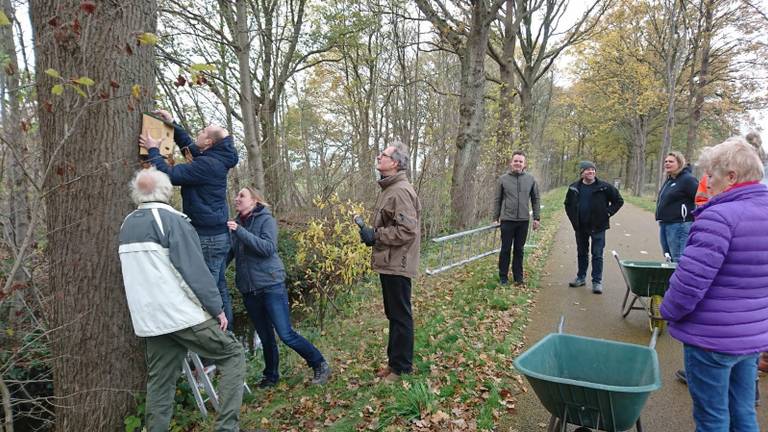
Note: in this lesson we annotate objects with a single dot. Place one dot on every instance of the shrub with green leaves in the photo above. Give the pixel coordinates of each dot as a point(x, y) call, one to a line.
point(330, 255)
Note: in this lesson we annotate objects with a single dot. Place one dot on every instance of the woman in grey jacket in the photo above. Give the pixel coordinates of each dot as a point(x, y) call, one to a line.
point(260, 278)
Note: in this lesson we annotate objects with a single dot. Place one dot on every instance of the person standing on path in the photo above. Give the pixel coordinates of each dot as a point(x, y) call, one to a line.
point(514, 190)
point(395, 238)
point(173, 301)
point(675, 205)
point(203, 190)
point(589, 204)
point(717, 301)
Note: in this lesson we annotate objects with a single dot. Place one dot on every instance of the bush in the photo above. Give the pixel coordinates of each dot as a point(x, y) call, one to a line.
point(330, 255)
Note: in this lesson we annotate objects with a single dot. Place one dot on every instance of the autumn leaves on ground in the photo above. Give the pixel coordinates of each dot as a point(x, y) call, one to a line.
point(468, 331)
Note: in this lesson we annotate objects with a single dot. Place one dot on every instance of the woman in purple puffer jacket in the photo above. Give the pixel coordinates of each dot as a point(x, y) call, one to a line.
point(717, 302)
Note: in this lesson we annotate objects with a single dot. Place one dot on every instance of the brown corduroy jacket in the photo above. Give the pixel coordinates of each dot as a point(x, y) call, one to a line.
point(396, 220)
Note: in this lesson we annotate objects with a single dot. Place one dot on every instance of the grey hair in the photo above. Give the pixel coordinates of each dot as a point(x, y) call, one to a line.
point(400, 155)
point(733, 155)
point(150, 185)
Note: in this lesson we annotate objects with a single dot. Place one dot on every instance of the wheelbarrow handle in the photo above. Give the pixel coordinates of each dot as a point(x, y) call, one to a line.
point(561, 324)
point(652, 344)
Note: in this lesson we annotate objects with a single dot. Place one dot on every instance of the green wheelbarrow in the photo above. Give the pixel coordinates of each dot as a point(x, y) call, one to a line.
point(647, 281)
point(592, 383)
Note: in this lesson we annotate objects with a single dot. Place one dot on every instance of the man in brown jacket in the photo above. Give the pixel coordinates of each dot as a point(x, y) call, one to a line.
point(395, 238)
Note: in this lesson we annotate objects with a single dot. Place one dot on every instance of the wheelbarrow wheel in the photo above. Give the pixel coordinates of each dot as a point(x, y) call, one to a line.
point(656, 320)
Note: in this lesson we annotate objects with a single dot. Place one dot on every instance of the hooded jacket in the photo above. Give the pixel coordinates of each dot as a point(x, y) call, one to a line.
point(513, 192)
point(606, 201)
point(167, 284)
point(203, 181)
point(718, 296)
point(254, 248)
point(676, 200)
point(397, 230)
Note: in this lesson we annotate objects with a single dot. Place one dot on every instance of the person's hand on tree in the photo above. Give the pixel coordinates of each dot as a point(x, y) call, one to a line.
point(165, 115)
point(148, 142)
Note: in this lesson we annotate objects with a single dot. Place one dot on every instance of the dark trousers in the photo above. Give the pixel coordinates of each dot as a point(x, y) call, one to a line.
point(396, 291)
point(270, 313)
point(513, 233)
point(582, 249)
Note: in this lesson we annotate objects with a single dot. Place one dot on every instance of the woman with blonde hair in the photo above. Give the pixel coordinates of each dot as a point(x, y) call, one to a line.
point(717, 301)
point(675, 204)
point(260, 278)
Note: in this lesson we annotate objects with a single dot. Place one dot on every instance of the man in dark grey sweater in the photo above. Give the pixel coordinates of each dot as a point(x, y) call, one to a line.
point(173, 300)
point(515, 189)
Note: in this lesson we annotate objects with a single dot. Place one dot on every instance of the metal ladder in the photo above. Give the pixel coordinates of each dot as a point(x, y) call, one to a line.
point(201, 379)
point(466, 246)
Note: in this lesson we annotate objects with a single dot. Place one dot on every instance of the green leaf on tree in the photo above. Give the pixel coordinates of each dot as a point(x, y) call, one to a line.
point(78, 90)
point(53, 73)
point(84, 80)
point(4, 21)
point(200, 67)
point(147, 39)
point(57, 90)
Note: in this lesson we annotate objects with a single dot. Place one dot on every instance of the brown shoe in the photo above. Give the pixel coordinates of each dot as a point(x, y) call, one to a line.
point(384, 372)
point(391, 378)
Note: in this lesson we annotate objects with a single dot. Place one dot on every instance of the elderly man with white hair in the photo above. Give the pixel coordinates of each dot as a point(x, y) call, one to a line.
point(173, 300)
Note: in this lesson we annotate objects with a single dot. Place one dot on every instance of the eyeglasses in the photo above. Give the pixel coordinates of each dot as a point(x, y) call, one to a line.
point(382, 154)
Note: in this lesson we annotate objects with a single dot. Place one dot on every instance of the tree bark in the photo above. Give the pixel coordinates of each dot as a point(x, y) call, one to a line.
point(672, 66)
point(694, 113)
point(90, 152)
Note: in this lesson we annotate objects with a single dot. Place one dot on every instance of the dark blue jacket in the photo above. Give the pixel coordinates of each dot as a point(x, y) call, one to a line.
point(675, 202)
point(203, 181)
point(254, 248)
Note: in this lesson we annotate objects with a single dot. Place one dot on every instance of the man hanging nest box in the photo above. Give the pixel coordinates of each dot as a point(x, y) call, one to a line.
point(159, 129)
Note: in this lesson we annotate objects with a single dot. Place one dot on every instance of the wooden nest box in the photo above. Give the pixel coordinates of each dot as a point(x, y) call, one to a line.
point(159, 130)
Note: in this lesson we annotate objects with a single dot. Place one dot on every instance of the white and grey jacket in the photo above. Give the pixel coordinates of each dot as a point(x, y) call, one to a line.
point(167, 283)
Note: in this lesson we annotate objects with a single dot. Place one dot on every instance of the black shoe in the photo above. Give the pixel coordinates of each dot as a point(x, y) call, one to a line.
point(519, 281)
point(503, 280)
point(321, 374)
point(681, 376)
point(266, 383)
point(578, 282)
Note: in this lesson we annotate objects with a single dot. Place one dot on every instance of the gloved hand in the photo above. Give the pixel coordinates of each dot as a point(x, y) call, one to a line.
point(366, 233)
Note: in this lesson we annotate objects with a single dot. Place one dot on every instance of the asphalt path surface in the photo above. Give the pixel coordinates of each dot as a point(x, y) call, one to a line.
point(634, 235)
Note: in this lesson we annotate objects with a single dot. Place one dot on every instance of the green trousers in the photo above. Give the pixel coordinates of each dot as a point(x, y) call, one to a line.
point(165, 354)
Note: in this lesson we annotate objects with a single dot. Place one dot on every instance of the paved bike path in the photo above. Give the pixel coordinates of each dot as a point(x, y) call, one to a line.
point(634, 235)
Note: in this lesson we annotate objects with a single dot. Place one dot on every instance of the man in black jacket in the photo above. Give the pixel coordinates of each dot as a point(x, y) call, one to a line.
point(589, 203)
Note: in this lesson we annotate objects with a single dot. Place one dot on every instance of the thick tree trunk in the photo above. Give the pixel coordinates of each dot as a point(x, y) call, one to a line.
point(672, 63)
point(637, 168)
point(90, 152)
point(471, 118)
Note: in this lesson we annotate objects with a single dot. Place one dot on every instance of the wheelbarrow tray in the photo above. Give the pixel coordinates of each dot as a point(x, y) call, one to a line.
point(648, 278)
point(596, 383)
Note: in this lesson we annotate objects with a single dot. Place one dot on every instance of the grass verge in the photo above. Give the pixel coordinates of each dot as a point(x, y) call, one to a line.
point(645, 202)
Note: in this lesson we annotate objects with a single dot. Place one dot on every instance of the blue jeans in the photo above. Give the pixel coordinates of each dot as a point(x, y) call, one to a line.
point(215, 250)
point(582, 249)
point(673, 237)
point(269, 312)
point(722, 387)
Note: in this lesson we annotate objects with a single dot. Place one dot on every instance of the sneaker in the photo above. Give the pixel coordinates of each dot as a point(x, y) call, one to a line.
point(321, 374)
point(597, 287)
point(578, 282)
point(680, 375)
point(503, 280)
point(520, 282)
point(266, 383)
